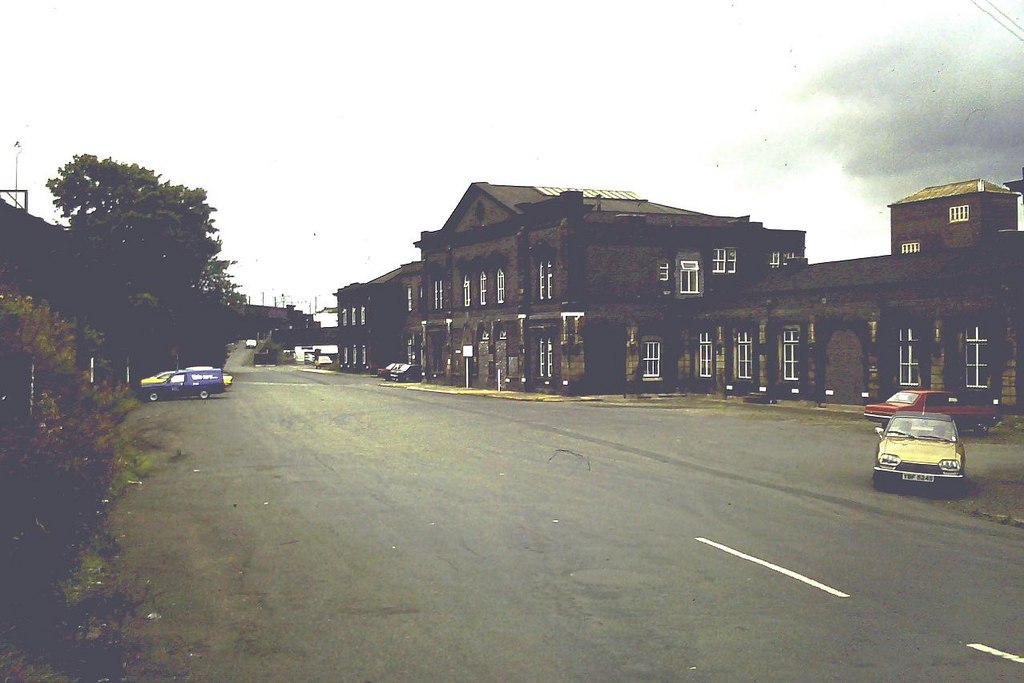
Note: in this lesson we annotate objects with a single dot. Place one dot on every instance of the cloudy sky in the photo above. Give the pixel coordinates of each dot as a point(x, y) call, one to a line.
point(329, 135)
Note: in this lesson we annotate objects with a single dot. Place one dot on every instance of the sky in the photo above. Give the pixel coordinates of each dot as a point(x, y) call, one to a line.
point(329, 135)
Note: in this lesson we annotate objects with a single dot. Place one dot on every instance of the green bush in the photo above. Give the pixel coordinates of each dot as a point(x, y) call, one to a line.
point(56, 470)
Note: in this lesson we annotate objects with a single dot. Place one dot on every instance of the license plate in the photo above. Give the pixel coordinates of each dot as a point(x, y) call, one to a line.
point(914, 476)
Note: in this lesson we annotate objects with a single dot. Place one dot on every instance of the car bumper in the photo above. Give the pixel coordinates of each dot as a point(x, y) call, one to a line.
point(919, 476)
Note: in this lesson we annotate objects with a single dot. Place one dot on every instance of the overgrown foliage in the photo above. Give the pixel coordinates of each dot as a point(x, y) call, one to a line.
point(56, 471)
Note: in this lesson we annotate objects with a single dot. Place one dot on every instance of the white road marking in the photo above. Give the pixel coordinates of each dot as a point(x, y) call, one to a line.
point(774, 567)
point(998, 653)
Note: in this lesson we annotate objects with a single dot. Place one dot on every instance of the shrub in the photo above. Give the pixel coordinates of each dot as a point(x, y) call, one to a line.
point(56, 468)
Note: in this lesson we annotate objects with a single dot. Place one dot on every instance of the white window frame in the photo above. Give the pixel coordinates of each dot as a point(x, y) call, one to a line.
point(408, 297)
point(467, 291)
point(705, 356)
point(910, 248)
point(362, 315)
point(438, 295)
point(344, 317)
point(744, 355)
point(910, 371)
point(790, 360)
point(362, 355)
point(500, 284)
point(410, 349)
point(664, 272)
point(345, 355)
point(975, 357)
point(545, 356)
point(652, 359)
point(960, 214)
point(725, 260)
point(545, 272)
point(689, 277)
point(483, 288)
point(775, 260)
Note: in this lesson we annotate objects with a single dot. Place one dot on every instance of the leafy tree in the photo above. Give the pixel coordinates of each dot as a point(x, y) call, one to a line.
point(149, 251)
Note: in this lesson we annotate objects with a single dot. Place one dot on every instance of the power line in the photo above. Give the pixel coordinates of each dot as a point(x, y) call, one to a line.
point(1014, 28)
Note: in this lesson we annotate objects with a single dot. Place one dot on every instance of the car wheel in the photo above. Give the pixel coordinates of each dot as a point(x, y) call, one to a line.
point(204, 394)
point(153, 396)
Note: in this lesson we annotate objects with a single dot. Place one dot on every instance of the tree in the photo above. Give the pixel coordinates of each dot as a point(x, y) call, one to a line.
point(149, 254)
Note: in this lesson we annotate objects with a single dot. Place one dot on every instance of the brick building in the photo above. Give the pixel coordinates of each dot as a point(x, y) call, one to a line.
point(372, 317)
point(942, 311)
point(577, 291)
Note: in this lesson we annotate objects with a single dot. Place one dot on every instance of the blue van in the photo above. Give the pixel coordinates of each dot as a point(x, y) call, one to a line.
point(185, 383)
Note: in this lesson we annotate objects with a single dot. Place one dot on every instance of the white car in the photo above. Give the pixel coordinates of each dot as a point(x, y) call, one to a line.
point(250, 343)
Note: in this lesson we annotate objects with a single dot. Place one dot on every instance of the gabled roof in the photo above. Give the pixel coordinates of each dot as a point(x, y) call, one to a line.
point(516, 199)
point(955, 189)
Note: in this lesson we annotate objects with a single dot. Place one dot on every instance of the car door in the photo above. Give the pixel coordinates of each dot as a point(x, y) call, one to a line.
point(176, 384)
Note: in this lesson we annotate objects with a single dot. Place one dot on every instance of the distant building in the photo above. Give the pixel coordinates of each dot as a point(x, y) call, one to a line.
point(372, 318)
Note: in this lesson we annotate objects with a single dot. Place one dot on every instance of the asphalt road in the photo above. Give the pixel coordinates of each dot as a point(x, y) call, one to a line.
point(311, 527)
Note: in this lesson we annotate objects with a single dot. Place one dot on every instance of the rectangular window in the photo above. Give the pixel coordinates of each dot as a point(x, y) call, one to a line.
point(362, 315)
point(483, 289)
point(467, 295)
point(344, 317)
point(744, 354)
point(976, 348)
point(652, 359)
point(705, 355)
point(910, 372)
point(438, 295)
point(790, 345)
point(545, 272)
point(344, 355)
point(408, 297)
point(910, 248)
point(362, 354)
point(959, 214)
point(663, 272)
point(689, 277)
point(775, 260)
point(545, 354)
point(501, 286)
point(410, 350)
point(724, 261)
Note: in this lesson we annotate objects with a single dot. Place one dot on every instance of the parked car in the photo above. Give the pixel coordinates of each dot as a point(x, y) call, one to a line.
point(385, 372)
point(185, 383)
point(250, 343)
point(405, 373)
point(967, 416)
point(919, 447)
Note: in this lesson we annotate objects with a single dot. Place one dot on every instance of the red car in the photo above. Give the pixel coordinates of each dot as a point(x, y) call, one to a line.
point(967, 416)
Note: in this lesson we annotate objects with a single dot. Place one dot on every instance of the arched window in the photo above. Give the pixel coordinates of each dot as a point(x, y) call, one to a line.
point(501, 286)
point(483, 288)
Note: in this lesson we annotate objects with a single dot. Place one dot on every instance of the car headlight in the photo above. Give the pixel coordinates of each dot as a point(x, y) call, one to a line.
point(889, 460)
point(949, 465)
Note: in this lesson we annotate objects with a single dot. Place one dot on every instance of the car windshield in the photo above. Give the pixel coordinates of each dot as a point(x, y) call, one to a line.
point(907, 397)
point(921, 428)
